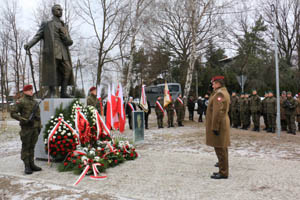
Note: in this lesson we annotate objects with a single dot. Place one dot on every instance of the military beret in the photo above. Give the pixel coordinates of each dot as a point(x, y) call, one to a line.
point(270, 91)
point(289, 92)
point(92, 88)
point(254, 89)
point(216, 78)
point(27, 87)
point(283, 92)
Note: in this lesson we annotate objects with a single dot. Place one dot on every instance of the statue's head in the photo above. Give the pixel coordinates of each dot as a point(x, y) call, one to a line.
point(57, 10)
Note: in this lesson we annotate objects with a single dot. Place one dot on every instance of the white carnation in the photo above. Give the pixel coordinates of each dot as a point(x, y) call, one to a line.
point(69, 134)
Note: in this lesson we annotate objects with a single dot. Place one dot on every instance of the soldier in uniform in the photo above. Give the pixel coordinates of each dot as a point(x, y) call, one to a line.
point(170, 112)
point(242, 103)
point(271, 110)
point(159, 110)
point(93, 101)
point(191, 108)
point(130, 108)
point(255, 108)
point(56, 64)
point(282, 114)
point(290, 105)
point(235, 115)
point(247, 111)
point(30, 128)
point(218, 125)
point(179, 107)
point(298, 111)
point(264, 110)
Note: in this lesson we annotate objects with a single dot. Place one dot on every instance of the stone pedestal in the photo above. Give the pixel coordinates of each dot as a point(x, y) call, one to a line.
point(47, 108)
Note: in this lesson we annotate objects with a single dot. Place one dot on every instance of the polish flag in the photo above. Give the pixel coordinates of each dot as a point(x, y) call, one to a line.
point(109, 110)
point(120, 109)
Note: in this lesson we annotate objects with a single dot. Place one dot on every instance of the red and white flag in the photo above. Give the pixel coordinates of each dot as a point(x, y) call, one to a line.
point(120, 109)
point(109, 110)
point(143, 100)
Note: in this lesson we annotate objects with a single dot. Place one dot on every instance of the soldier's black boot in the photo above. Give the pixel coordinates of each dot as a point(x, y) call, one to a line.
point(273, 130)
point(27, 170)
point(33, 167)
point(269, 130)
point(257, 129)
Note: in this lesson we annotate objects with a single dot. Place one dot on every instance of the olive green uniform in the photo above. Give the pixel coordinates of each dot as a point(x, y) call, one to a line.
point(271, 110)
point(159, 113)
point(93, 101)
point(298, 113)
point(29, 130)
point(235, 114)
point(179, 107)
point(170, 112)
point(282, 115)
point(244, 112)
point(255, 108)
point(290, 105)
point(264, 112)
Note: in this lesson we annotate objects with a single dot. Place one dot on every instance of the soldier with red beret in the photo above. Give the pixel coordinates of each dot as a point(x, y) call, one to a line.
point(30, 128)
point(92, 100)
point(218, 125)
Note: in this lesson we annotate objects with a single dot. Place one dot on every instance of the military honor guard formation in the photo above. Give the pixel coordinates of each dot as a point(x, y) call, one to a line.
point(221, 110)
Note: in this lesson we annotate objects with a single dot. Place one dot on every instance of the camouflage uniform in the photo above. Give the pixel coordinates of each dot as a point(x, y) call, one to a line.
point(29, 130)
point(159, 114)
point(93, 101)
point(271, 110)
point(290, 105)
point(170, 112)
point(179, 107)
point(235, 114)
point(255, 108)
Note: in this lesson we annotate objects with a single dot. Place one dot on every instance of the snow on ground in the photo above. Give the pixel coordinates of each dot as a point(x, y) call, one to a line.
point(175, 163)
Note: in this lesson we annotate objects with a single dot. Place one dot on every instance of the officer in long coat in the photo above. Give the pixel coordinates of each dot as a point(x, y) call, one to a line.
point(255, 108)
point(30, 128)
point(290, 104)
point(56, 62)
point(179, 107)
point(218, 125)
point(92, 100)
point(159, 110)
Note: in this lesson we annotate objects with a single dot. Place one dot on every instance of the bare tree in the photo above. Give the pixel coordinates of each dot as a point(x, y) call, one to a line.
point(101, 16)
point(16, 41)
point(287, 14)
point(136, 22)
point(186, 27)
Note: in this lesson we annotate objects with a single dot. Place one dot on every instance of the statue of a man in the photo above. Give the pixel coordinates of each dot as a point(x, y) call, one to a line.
point(56, 59)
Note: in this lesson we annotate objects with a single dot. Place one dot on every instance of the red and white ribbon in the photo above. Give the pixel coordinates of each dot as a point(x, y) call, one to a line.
point(82, 175)
point(131, 106)
point(160, 107)
point(180, 100)
point(96, 172)
point(101, 125)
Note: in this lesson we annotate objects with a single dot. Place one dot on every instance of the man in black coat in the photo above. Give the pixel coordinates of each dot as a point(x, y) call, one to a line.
point(191, 108)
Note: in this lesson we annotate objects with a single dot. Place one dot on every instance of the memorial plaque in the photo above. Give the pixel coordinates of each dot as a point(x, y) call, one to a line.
point(138, 127)
point(46, 106)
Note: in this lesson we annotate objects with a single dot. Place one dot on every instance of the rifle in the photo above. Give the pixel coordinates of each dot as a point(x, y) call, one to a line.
point(32, 70)
point(35, 108)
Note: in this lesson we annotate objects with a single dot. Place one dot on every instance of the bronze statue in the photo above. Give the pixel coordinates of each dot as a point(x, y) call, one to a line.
point(56, 59)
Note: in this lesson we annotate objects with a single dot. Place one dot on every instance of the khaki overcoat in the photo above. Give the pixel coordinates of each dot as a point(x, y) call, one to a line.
point(217, 118)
